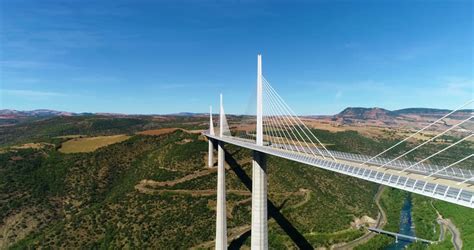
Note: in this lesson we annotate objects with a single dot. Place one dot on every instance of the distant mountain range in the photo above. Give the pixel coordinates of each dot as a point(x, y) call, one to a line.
point(188, 114)
point(33, 113)
point(49, 112)
point(357, 113)
point(383, 114)
point(11, 116)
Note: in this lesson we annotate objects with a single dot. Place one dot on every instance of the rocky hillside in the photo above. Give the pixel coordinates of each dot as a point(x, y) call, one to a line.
point(402, 118)
point(365, 113)
point(384, 114)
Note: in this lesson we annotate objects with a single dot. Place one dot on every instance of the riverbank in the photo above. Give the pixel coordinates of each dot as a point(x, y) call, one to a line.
point(391, 202)
point(381, 221)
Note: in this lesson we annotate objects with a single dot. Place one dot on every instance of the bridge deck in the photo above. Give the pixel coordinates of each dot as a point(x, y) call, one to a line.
point(441, 187)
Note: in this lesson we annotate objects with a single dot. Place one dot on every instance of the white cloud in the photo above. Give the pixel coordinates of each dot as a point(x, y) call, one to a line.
point(459, 86)
point(30, 93)
point(29, 64)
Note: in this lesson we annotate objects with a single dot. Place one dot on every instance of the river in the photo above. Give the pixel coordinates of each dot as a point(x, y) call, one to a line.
point(406, 225)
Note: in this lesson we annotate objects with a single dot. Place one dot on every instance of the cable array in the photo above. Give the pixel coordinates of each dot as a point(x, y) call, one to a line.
point(284, 130)
point(411, 166)
point(419, 131)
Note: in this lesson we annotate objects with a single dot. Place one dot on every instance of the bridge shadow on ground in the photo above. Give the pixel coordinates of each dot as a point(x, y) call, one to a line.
point(273, 211)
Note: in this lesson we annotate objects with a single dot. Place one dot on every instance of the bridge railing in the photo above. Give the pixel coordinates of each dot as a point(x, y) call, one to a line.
point(424, 168)
point(402, 164)
point(453, 173)
point(425, 187)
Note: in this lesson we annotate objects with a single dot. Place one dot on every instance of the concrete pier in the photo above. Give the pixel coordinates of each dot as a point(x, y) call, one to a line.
point(259, 202)
point(259, 229)
point(221, 222)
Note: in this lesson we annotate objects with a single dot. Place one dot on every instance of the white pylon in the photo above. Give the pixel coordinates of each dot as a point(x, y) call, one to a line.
point(259, 102)
point(221, 223)
point(259, 229)
point(210, 159)
point(211, 123)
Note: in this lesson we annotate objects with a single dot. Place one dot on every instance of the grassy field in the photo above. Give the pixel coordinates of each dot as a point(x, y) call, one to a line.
point(90, 144)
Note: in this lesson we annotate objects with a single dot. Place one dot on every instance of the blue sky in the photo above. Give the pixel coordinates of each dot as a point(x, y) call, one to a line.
point(146, 57)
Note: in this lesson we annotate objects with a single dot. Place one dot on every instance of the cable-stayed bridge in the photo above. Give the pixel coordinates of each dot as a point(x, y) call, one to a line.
point(278, 131)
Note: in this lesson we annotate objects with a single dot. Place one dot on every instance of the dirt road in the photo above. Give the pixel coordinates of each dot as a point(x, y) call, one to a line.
point(449, 225)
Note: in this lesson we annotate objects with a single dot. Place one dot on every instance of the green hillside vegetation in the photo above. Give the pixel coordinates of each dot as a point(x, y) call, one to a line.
point(353, 142)
point(445, 244)
point(392, 202)
point(90, 199)
point(462, 217)
point(156, 191)
point(424, 218)
point(92, 125)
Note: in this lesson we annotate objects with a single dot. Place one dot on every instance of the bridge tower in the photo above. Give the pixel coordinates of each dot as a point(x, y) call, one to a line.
point(259, 228)
point(210, 159)
point(221, 223)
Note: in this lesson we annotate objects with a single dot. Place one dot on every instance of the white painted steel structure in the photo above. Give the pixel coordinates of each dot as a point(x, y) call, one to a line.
point(281, 133)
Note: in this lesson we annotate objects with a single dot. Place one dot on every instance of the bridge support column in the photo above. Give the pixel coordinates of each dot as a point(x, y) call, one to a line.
point(221, 217)
point(221, 223)
point(259, 176)
point(259, 202)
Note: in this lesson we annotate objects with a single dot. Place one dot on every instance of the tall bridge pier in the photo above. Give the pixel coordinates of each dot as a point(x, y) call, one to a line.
point(259, 233)
point(287, 137)
point(281, 123)
point(221, 223)
point(259, 227)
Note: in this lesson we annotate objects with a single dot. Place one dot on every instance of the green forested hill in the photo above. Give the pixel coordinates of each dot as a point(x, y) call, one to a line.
point(95, 199)
point(157, 192)
point(45, 130)
point(72, 200)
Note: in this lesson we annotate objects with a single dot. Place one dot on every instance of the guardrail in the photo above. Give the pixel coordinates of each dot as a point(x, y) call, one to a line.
point(431, 187)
